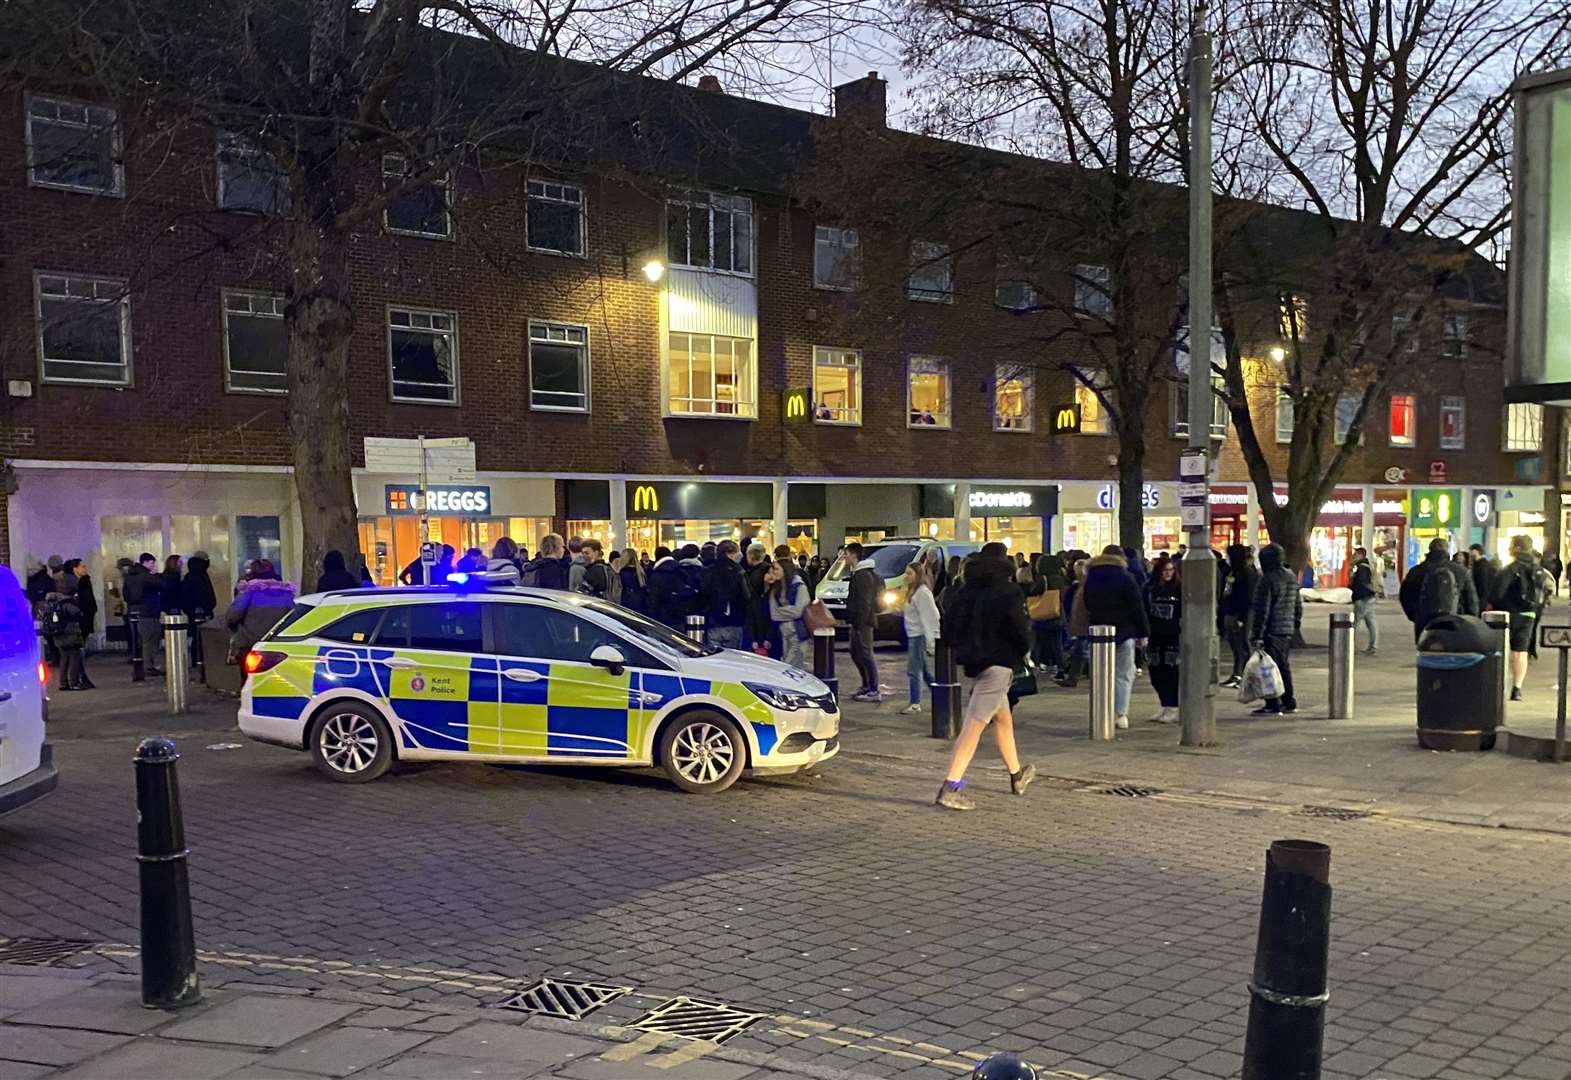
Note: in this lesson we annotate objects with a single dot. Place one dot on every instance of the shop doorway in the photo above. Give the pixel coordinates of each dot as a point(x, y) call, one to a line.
point(392, 541)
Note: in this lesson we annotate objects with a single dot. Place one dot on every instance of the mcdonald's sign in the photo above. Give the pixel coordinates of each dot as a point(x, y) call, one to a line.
point(646, 500)
point(1066, 420)
point(794, 405)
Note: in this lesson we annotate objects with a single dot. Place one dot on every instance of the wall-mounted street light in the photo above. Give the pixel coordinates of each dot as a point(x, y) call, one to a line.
point(1278, 354)
point(654, 269)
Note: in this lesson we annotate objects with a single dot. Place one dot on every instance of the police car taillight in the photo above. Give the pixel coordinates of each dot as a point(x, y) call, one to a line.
point(257, 661)
point(43, 673)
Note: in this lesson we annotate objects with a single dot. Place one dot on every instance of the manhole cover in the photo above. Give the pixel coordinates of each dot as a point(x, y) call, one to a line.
point(1335, 813)
point(1129, 791)
point(567, 1000)
point(690, 1018)
point(38, 952)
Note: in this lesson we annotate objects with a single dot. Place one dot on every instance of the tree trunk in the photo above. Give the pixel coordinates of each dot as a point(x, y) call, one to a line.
point(1131, 480)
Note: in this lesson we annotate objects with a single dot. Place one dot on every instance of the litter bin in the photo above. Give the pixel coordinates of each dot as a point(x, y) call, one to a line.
point(1458, 684)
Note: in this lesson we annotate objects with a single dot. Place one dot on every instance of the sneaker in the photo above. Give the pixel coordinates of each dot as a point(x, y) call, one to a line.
point(1232, 682)
point(1289, 710)
point(910, 710)
point(1267, 710)
point(1067, 684)
point(1018, 781)
point(866, 695)
point(1371, 652)
point(953, 797)
point(1159, 718)
point(1516, 693)
point(1121, 723)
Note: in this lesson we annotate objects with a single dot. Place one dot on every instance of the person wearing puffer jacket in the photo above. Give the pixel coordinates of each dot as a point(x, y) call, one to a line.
point(504, 562)
point(259, 603)
point(1278, 614)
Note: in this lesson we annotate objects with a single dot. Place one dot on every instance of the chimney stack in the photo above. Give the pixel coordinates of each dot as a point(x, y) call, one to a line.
point(864, 100)
point(710, 83)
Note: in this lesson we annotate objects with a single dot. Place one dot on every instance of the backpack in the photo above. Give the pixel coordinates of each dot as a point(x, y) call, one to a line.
point(56, 621)
point(613, 591)
point(1439, 594)
point(600, 586)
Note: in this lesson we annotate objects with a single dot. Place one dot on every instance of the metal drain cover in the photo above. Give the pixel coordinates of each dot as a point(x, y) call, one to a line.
point(689, 1018)
point(567, 1000)
point(40, 952)
point(1129, 791)
point(1335, 813)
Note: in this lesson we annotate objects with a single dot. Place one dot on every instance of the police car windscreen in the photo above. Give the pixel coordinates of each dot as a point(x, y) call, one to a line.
point(646, 628)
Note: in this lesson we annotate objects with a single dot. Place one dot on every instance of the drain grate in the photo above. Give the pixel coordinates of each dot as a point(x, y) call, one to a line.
point(40, 952)
point(689, 1018)
point(1129, 791)
point(1334, 813)
point(566, 1000)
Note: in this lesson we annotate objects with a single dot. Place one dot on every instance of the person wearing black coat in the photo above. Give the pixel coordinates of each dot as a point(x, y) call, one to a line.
point(671, 599)
point(986, 625)
point(1237, 602)
point(170, 594)
point(1111, 596)
point(143, 596)
point(724, 597)
point(1165, 611)
point(86, 599)
point(759, 627)
point(1278, 614)
point(335, 575)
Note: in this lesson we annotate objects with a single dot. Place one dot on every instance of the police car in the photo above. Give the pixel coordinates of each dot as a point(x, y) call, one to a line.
point(473, 671)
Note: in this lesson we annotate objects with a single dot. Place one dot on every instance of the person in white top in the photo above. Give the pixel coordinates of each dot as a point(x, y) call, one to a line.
point(921, 625)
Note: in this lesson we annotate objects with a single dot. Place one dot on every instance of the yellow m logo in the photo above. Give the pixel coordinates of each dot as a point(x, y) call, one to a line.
point(646, 498)
point(1066, 419)
point(796, 405)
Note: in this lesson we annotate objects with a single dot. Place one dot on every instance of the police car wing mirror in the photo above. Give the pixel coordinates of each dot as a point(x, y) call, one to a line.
point(608, 657)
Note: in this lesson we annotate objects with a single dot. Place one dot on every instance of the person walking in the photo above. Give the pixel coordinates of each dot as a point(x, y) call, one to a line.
point(1045, 605)
point(262, 600)
point(724, 597)
point(788, 597)
point(1164, 611)
point(1277, 617)
point(1520, 591)
point(1484, 571)
point(1437, 587)
point(987, 627)
point(862, 614)
point(635, 585)
point(922, 627)
point(143, 599)
point(1364, 594)
point(335, 575)
point(1110, 596)
point(1237, 607)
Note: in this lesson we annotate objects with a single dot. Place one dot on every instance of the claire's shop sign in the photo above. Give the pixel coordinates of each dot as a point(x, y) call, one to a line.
point(439, 499)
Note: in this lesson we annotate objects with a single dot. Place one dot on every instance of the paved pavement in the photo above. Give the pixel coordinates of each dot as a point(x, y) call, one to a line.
point(869, 933)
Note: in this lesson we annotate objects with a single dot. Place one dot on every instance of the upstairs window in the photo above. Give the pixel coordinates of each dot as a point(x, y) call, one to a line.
point(1404, 332)
point(932, 273)
point(1524, 426)
point(1014, 290)
point(710, 231)
point(1293, 317)
point(1094, 417)
point(1454, 336)
point(1346, 409)
point(837, 258)
point(84, 329)
point(256, 343)
point(710, 375)
point(1284, 417)
point(420, 209)
point(1404, 410)
point(1178, 409)
point(1453, 423)
point(927, 392)
point(423, 353)
point(1014, 397)
point(837, 386)
point(73, 146)
point(1093, 292)
point(558, 367)
point(554, 218)
point(249, 180)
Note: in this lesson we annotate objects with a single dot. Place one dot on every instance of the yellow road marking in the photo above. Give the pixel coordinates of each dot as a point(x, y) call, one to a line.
point(646, 1042)
point(694, 1048)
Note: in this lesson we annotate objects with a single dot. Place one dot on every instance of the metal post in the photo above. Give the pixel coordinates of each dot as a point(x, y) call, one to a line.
point(1500, 623)
point(177, 659)
point(169, 978)
point(1339, 695)
point(1288, 994)
point(1560, 712)
point(133, 628)
point(1104, 648)
point(695, 628)
point(946, 692)
point(824, 659)
point(1197, 635)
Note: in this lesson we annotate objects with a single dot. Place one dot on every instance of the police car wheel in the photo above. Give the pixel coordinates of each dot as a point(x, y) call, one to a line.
point(702, 752)
point(351, 743)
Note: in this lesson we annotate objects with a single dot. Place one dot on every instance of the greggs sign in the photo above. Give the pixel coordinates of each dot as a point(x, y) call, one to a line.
point(439, 499)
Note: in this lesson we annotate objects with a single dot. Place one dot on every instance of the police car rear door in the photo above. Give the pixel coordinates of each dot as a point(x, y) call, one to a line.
point(439, 681)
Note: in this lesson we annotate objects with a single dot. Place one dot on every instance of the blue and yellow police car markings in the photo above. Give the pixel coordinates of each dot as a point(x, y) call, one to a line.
point(587, 712)
point(433, 702)
point(757, 713)
point(285, 690)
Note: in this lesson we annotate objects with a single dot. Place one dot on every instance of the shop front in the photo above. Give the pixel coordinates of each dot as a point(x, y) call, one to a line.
point(1090, 521)
point(1019, 517)
point(1520, 511)
point(1338, 529)
point(461, 515)
point(671, 513)
point(1433, 513)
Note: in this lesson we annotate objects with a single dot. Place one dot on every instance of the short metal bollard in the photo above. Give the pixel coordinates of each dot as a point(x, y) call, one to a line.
point(177, 659)
point(169, 978)
point(1104, 650)
point(133, 629)
point(946, 692)
point(695, 628)
point(824, 659)
point(1288, 994)
point(1004, 1066)
point(1339, 694)
point(1500, 623)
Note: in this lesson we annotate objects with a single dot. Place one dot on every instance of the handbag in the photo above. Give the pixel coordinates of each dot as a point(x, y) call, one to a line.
point(817, 617)
point(1045, 606)
point(1023, 682)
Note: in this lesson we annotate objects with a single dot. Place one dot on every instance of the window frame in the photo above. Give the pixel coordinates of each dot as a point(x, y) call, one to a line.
point(1506, 426)
point(1292, 317)
point(823, 351)
point(1284, 435)
point(1178, 410)
point(1085, 279)
point(1457, 404)
point(442, 183)
point(235, 142)
point(1411, 401)
point(947, 423)
point(854, 250)
point(669, 410)
point(583, 216)
point(123, 303)
point(684, 198)
point(1404, 330)
point(392, 380)
point(1097, 376)
point(1454, 346)
point(1027, 380)
point(116, 140)
point(1339, 438)
point(944, 258)
point(584, 367)
point(223, 303)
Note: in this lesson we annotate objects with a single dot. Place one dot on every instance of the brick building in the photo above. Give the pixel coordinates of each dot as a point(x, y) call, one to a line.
point(142, 349)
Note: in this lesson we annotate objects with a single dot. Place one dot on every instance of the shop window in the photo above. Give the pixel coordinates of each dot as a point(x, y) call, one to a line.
point(927, 392)
point(84, 329)
point(1178, 409)
point(1284, 417)
point(1454, 335)
point(73, 146)
point(1292, 317)
point(710, 231)
point(837, 258)
point(1346, 410)
point(1524, 426)
point(558, 367)
point(932, 273)
point(1014, 394)
point(258, 537)
point(1404, 330)
point(256, 343)
point(711, 376)
point(554, 218)
point(1453, 423)
point(1013, 289)
point(420, 209)
point(1404, 408)
point(1094, 417)
point(423, 353)
point(837, 386)
point(1093, 291)
point(249, 180)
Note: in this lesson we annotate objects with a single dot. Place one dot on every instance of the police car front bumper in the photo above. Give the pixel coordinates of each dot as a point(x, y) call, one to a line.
point(805, 737)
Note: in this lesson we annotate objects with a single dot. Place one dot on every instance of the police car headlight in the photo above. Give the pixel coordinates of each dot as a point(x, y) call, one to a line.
point(779, 697)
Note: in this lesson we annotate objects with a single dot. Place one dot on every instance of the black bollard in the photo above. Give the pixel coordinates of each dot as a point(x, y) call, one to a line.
point(695, 628)
point(1004, 1067)
point(946, 692)
point(169, 979)
point(824, 660)
point(133, 628)
point(1287, 997)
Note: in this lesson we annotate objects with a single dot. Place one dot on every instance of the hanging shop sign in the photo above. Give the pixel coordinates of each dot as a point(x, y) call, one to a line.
point(1483, 507)
point(1437, 472)
point(794, 405)
point(1066, 420)
point(474, 499)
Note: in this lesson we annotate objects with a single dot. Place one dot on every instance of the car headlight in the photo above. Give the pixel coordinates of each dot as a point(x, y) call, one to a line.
point(891, 598)
point(780, 697)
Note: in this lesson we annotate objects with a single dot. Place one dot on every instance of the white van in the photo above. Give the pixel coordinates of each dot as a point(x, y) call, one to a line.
point(27, 770)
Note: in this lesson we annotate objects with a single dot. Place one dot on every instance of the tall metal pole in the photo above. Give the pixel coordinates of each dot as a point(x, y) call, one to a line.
point(1197, 683)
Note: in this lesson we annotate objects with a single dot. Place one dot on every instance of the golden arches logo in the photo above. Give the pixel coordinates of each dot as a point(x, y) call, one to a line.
point(1067, 418)
point(796, 405)
point(646, 498)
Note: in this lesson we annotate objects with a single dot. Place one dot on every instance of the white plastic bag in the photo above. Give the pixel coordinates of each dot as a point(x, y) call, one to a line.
point(1262, 678)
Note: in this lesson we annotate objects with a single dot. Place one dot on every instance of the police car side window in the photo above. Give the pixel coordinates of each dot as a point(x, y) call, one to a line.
point(543, 633)
point(451, 627)
point(356, 629)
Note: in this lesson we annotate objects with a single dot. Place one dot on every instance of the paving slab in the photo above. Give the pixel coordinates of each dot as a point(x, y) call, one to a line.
point(345, 1050)
point(260, 1020)
point(157, 1058)
point(54, 1046)
point(19, 992)
point(114, 1008)
point(512, 1042)
point(420, 1066)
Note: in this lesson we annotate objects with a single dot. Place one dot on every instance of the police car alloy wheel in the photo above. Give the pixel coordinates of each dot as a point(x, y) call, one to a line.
point(702, 752)
point(351, 744)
